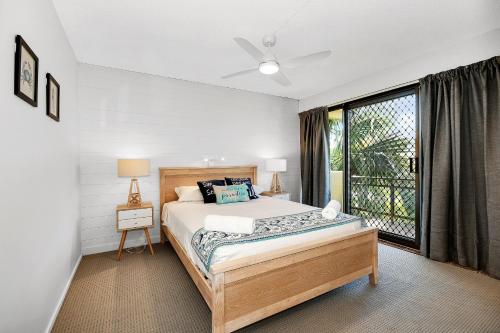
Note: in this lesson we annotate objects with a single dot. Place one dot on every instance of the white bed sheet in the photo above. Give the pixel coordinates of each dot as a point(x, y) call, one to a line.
point(183, 219)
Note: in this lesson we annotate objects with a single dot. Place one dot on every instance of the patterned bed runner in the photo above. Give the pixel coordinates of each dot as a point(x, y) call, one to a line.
point(206, 242)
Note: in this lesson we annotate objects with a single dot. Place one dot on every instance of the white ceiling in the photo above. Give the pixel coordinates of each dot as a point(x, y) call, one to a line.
point(193, 40)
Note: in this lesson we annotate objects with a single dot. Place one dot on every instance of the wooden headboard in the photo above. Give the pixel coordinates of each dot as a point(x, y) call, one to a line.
point(170, 178)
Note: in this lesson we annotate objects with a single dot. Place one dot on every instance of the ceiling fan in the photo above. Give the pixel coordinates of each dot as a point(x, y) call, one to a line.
point(269, 65)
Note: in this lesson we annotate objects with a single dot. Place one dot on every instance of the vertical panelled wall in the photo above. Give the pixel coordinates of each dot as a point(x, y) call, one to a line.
point(174, 123)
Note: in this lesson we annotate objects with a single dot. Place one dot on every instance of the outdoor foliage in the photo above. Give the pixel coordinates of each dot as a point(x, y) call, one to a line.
point(336, 142)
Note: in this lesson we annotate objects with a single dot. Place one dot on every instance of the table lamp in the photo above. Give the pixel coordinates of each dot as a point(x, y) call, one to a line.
point(133, 168)
point(276, 165)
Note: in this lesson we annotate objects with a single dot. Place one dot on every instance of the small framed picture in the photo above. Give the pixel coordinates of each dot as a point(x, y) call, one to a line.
point(53, 97)
point(26, 73)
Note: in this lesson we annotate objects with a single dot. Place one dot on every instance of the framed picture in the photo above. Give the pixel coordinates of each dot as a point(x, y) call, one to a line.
point(26, 73)
point(53, 97)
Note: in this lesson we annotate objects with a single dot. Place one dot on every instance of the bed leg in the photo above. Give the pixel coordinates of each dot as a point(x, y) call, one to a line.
point(374, 274)
point(218, 303)
point(162, 235)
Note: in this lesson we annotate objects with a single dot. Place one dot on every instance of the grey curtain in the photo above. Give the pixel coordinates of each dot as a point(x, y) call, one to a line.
point(314, 156)
point(460, 117)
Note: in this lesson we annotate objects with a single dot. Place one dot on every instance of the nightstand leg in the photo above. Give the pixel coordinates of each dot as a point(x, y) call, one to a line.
point(146, 231)
point(122, 242)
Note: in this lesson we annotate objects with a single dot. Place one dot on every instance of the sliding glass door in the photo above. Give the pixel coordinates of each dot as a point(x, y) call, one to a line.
point(381, 164)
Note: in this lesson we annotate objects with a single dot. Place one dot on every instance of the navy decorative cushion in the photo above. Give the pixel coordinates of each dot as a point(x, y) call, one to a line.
point(247, 181)
point(207, 189)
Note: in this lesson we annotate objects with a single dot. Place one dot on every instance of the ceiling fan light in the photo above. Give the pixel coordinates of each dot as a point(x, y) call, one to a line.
point(269, 67)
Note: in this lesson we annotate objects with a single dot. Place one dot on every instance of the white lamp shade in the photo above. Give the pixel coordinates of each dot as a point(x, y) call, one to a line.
point(276, 165)
point(133, 168)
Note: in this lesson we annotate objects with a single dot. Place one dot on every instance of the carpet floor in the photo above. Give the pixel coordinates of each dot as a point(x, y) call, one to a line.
point(144, 293)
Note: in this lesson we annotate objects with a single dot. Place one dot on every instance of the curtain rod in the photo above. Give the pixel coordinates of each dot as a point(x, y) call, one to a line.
point(409, 83)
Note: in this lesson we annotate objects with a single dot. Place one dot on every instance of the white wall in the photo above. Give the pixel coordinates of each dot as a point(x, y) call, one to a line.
point(174, 123)
point(39, 200)
point(449, 56)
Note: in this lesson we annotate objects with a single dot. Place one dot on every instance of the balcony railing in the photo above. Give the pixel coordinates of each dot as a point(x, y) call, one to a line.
point(387, 203)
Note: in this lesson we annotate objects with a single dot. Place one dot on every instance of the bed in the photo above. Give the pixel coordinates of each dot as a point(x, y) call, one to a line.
point(248, 282)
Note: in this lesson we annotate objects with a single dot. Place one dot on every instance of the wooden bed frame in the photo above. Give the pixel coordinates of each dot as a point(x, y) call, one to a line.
point(244, 291)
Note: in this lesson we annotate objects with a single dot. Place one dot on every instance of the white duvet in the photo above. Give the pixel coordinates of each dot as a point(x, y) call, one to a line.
point(184, 218)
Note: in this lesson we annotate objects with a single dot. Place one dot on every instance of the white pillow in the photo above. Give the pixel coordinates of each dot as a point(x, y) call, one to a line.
point(189, 193)
point(258, 189)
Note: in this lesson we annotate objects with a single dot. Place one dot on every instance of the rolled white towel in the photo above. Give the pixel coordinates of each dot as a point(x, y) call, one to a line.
point(329, 213)
point(335, 205)
point(230, 224)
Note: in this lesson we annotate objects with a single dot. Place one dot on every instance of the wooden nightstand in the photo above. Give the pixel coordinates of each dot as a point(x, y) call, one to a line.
point(134, 218)
point(277, 195)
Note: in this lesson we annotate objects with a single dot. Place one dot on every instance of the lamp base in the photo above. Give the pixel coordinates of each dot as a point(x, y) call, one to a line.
point(276, 184)
point(134, 194)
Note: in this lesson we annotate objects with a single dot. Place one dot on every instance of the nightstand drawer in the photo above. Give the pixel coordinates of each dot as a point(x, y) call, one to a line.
point(284, 196)
point(135, 223)
point(134, 213)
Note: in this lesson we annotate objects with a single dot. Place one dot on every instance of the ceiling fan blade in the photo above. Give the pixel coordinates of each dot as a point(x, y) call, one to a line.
point(280, 78)
point(250, 48)
point(246, 71)
point(307, 59)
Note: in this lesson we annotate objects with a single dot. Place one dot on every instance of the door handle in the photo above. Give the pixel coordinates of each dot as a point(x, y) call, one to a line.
point(413, 164)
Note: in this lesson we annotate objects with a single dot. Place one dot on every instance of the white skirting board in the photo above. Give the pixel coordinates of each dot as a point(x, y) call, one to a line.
point(63, 296)
point(114, 245)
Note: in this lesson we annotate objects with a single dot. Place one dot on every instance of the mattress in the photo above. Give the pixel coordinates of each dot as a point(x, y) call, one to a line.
point(183, 219)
